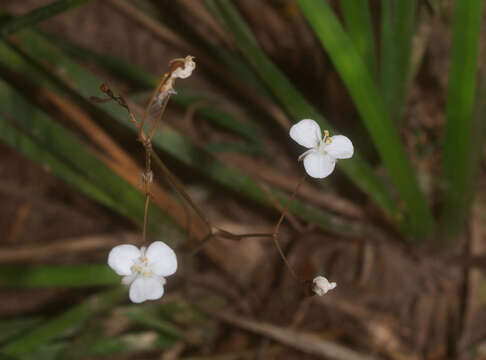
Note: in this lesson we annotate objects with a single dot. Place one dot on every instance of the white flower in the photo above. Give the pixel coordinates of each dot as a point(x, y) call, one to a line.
point(186, 69)
point(144, 269)
point(320, 160)
point(322, 285)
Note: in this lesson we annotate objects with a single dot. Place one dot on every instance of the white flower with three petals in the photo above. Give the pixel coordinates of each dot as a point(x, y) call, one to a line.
point(320, 159)
point(143, 269)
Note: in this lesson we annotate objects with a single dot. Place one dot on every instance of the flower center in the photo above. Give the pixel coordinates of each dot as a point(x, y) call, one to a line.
point(141, 266)
point(326, 140)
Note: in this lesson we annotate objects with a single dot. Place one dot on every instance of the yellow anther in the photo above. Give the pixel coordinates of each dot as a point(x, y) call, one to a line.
point(144, 259)
point(147, 273)
point(326, 133)
point(137, 268)
point(328, 140)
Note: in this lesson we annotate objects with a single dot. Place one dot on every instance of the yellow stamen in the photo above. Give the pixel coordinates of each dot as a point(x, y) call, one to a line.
point(327, 139)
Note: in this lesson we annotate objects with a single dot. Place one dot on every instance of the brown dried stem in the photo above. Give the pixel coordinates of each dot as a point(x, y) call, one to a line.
point(277, 228)
point(164, 89)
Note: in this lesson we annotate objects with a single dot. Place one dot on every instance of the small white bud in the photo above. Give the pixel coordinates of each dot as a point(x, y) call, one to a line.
point(322, 285)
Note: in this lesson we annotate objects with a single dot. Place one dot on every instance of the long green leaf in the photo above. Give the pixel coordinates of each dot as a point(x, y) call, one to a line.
point(169, 141)
point(299, 108)
point(10, 328)
point(365, 95)
point(72, 318)
point(357, 17)
point(397, 28)
point(18, 140)
point(38, 15)
point(57, 276)
point(460, 150)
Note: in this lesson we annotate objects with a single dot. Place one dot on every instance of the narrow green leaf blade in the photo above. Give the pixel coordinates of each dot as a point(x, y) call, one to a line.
point(38, 15)
point(357, 17)
point(460, 157)
point(72, 318)
point(57, 276)
point(397, 29)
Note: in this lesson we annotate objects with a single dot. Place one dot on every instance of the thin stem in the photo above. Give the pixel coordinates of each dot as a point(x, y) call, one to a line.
point(151, 101)
point(147, 179)
point(159, 117)
point(228, 235)
point(180, 189)
point(145, 216)
point(277, 228)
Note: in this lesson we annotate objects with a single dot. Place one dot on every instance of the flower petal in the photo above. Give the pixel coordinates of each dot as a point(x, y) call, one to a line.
point(340, 147)
point(161, 258)
point(122, 257)
point(146, 288)
point(319, 165)
point(306, 133)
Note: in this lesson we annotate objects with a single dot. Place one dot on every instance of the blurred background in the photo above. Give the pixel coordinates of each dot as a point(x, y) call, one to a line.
point(400, 227)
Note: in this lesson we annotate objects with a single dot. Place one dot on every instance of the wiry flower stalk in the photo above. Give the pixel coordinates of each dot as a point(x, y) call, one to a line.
point(145, 269)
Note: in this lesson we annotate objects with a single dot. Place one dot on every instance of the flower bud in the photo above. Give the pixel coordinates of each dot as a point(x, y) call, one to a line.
point(322, 285)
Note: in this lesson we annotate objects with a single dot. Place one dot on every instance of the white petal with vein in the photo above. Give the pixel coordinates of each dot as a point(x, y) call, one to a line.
point(319, 165)
point(122, 257)
point(340, 147)
point(306, 133)
point(161, 258)
point(146, 288)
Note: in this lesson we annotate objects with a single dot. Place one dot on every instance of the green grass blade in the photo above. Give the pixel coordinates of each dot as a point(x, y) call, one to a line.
point(38, 15)
point(460, 158)
point(71, 319)
point(24, 144)
point(365, 95)
point(299, 108)
point(97, 346)
point(397, 29)
point(11, 328)
point(357, 18)
point(149, 319)
point(57, 276)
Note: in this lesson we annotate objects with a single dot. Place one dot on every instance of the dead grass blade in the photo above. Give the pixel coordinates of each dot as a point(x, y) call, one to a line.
point(84, 244)
point(305, 342)
point(331, 202)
